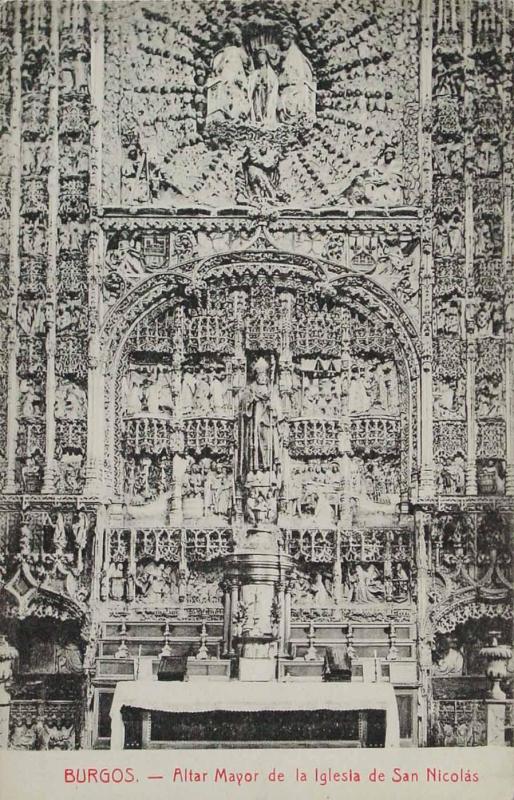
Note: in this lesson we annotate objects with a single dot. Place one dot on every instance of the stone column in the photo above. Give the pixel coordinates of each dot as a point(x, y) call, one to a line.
point(424, 652)
point(95, 380)
point(281, 608)
point(179, 463)
point(285, 358)
point(509, 405)
point(471, 462)
point(508, 264)
point(97, 98)
point(5, 711)
point(95, 389)
point(14, 254)
point(344, 444)
point(425, 411)
point(238, 371)
point(226, 618)
point(178, 469)
point(287, 614)
point(234, 601)
point(497, 657)
point(471, 352)
point(94, 469)
point(100, 559)
point(51, 268)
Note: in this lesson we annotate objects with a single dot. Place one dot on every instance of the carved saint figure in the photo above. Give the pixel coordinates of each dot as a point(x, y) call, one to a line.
point(132, 392)
point(158, 586)
point(321, 595)
point(67, 657)
point(358, 399)
point(152, 394)
point(126, 259)
point(135, 178)
point(263, 92)
point(258, 177)
point(218, 395)
point(59, 526)
point(452, 662)
point(323, 512)
point(188, 391)
point(116, 578)
point(227, 89)
point(260, 416)
point(297, 93)
point(80, 528)
point(365, 585)
point(29, 399)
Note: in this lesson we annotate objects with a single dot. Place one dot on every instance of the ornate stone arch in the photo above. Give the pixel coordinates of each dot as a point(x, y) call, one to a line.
point(467, 605)
point(166, 289)
point(23, 596)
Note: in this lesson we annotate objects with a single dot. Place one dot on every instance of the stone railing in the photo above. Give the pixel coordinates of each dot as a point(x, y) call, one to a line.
point(317, 546)
point(44, 725)
point(312, 437)
point(458, 723)
point(148, 435)
point(209, 333)
point(387, 553)
point(168, 544)
point(154, 336)
point(378, 434)
point(209, 433)
point(318, 333)
point(365, 337)
point(356, 545)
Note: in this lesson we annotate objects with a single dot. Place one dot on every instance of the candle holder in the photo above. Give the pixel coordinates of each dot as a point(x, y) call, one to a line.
point(122, 651)
point(350, 649)
point(311, 654)
point(166, 649)
point(497, 656)
point(203, 653)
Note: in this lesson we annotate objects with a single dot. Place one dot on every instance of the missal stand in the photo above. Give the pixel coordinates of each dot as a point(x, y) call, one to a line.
point(172, 668)
point(337, 665)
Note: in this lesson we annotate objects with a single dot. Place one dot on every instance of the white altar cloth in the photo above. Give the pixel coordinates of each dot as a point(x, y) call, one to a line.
point(197, 696)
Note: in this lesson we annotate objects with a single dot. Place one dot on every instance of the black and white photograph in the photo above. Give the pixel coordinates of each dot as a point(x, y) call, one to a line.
point(256, 374)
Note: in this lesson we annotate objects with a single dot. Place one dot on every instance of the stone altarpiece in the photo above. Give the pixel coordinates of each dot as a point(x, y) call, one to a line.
point(257, 375)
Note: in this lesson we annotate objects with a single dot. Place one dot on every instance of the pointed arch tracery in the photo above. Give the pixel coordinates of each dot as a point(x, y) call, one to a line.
point(358, 301)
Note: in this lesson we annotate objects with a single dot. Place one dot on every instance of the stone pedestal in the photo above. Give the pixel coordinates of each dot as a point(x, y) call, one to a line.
point(260, 570)
point(5, 707)
point(495, 723)
point(257, 669)
point(259, 575)
point(4, 726)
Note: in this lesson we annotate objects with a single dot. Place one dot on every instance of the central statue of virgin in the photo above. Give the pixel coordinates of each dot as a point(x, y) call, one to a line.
point(263, 92)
